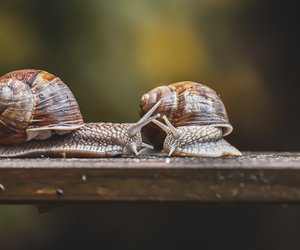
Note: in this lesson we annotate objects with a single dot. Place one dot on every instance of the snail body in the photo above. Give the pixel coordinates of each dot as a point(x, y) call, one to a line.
point(39, 115)
point(195, 120)
point(90, 140)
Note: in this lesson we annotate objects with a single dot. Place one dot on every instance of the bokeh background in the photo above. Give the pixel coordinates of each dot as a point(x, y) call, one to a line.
point(111, 52)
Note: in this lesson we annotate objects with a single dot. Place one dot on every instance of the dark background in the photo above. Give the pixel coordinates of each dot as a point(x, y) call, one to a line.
point(110, 53)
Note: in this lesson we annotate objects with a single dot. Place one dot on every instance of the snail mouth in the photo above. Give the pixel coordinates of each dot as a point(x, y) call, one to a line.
point(136, 147)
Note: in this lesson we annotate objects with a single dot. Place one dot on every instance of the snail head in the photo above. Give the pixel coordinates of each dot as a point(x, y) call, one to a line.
point(173, 135)
point(134, 141)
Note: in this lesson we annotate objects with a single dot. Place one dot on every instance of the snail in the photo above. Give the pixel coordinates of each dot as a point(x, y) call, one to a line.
point(39, 115)
point(195, 120)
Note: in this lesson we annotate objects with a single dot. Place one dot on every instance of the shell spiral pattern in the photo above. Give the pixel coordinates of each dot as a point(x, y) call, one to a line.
point(32, 104)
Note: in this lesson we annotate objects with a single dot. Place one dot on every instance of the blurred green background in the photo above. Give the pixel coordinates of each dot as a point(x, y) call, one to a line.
point(111, 52)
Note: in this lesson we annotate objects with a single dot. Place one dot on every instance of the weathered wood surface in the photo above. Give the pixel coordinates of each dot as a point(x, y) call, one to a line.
point(258, 177)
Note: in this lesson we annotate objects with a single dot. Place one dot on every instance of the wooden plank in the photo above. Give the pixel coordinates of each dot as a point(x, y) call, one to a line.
point(258, 177)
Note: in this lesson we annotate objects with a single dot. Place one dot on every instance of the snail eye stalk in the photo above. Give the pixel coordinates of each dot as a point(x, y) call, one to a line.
point(168, 127)
point(134, 129)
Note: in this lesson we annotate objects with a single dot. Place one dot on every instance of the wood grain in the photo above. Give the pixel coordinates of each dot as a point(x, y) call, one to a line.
point(253, 177)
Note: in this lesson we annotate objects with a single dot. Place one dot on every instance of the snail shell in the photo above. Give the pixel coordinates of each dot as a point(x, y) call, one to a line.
point(33, 104)
point(184, 104)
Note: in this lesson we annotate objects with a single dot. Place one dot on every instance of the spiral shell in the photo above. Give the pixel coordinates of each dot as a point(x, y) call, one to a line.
point(184, 104)
point(33, 104)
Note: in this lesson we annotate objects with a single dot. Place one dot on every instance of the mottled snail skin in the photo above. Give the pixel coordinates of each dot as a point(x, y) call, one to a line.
point(37, 105)
point(91, 140)
point(34, 102)
point(206, 141)
point(196, 120)
point(184, 103)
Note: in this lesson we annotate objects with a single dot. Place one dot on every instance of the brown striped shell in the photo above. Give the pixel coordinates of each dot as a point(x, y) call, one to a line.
point(33, 103)
point(184, 103)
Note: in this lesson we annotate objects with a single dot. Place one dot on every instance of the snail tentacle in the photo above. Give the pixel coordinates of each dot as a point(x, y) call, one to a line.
point(144, 120)
point(174, 131)
point(194, 120)
point(39, 115)
point(91, 140)
point(199, 141)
